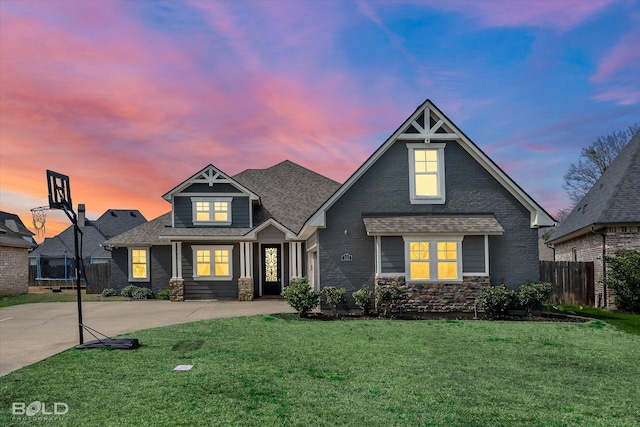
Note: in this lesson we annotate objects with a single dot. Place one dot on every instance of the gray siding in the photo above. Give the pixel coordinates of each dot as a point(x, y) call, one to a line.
point(392, 254)
point(160, 268)
point(473, 254)
point(182, 211)
point(384, 188)
point(271, 235)
point(195, 289)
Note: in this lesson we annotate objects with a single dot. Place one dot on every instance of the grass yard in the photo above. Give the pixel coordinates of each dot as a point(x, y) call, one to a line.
point(67, 295)
point(624, 321)
point(280, 371)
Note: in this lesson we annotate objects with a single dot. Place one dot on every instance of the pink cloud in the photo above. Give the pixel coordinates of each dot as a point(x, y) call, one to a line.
point(556, 15)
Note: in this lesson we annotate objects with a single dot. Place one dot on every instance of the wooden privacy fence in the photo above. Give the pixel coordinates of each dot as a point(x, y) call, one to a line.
point(573, 282)
point(98, 278)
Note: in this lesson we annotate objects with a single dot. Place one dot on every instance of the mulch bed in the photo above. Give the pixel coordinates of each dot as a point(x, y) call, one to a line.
point(544, 317)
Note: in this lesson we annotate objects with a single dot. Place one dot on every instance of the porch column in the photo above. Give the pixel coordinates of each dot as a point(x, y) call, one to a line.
point(245, 282)
point(176, 284)
point(295, 259)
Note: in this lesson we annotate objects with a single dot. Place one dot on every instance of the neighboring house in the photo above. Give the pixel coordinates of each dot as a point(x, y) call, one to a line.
point(428, 210)
point(15, 243)
point(54, 257)
point(605, 221)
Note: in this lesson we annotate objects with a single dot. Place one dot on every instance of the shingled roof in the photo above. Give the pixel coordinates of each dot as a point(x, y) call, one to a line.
point(614, 198)
point(13, 232)
point(290, 193)
point(145, 234)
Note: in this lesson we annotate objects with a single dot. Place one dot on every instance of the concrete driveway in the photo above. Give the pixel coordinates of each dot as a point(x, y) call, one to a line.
point(32, 332)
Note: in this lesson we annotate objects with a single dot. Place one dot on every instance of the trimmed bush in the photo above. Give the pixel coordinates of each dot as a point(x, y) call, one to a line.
point(389, 295)
point(301, 297)
point(533, 293)
point(364, 299)
point(496, 301)
point(164, 294)
point(335, 296)
point(624, 279)
point(109, 292)
point(136, 292)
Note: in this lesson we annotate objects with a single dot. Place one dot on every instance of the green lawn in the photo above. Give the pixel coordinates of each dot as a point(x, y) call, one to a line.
point(624, 321)
point(279, 371)
point(66, 296)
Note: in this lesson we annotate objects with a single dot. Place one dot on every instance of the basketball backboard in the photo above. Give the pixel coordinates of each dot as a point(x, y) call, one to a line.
point(59, 191)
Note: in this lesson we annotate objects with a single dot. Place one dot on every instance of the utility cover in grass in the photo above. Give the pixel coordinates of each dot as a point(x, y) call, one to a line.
point(183, 368)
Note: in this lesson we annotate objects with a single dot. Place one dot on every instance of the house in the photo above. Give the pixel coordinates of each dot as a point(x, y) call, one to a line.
point(15, 243)
point(428, 210)
point(54, 258)
point(605, 221)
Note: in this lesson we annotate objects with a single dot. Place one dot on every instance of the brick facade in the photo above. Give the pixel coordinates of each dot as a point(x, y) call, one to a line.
point(14, 271)
point(589, 248)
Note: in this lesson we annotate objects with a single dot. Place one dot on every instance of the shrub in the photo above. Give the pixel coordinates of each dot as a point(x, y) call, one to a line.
point(364, 299)
point(533, 293)
point(335, 296)
point(496, 301)
point(388, 295)
point(136, 292)
point(164, 294)
point(300, 296)
point(109, 292)
point(624, 279)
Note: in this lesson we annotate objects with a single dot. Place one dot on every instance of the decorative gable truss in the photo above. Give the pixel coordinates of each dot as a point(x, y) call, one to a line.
point(428, 125)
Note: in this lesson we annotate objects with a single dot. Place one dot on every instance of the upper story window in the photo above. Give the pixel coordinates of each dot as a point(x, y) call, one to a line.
point(426, 169)
point(211, 210)
point(434, 259)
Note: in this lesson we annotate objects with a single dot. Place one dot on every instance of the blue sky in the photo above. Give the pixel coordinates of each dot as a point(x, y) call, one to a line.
point(131, 98)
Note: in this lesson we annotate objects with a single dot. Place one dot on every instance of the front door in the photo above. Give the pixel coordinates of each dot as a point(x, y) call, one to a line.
point(271, 270)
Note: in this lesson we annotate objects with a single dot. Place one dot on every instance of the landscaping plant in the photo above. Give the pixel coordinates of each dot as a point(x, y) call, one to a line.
point(109, 292)
point(335, 296)
point(496, 300)
point(301, 297)
point(533, 293)
point(389, 295)
point(164, 294)
point(624, 278)
point(364, 299)
point(136, 292)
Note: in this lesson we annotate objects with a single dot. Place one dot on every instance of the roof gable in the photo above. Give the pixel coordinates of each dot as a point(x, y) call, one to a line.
point(209, 175)
point(613, 199)
point(428, 124)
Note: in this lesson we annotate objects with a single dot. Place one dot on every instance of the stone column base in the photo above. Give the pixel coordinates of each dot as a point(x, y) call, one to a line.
point(176, 286)
point(245, 289)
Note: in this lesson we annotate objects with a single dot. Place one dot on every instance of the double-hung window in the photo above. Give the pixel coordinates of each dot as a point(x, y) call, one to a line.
point(431, 259)
point(138, 264)
point(211, 210)
point(213, 262)
point(426, 170)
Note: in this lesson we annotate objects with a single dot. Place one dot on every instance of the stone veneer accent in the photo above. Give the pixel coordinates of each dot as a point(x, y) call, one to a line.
point(14, 271)
point(437, 297)
point(176, 286)
point(245, 289)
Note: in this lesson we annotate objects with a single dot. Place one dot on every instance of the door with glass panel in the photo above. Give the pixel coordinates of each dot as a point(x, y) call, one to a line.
point(271, 270)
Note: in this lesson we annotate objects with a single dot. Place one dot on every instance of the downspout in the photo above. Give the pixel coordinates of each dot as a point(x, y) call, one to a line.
point(604, 267)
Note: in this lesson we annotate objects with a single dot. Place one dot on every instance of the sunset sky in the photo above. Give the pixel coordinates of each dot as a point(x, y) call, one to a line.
point(130, 98)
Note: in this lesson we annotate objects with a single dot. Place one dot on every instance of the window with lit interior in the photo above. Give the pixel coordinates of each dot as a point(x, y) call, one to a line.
point(215, 211)
point(426, 168)
point(212, 262)
point(139, 264)
point(434, 260)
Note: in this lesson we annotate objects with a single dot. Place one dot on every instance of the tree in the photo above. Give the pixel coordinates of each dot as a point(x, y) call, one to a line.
point(624, 279)
point(593, 161)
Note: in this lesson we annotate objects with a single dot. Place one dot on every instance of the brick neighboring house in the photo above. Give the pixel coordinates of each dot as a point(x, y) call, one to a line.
point(605, 221)
point(15, 242)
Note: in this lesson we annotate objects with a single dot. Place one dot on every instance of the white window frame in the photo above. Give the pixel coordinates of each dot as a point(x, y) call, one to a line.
point(433, 257)
point(211, 201)
point(484, 273)
point(416, 199)
point(148, 264)
point(212, 249)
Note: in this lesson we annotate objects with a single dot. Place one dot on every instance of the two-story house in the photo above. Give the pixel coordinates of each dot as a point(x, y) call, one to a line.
point(428, 210)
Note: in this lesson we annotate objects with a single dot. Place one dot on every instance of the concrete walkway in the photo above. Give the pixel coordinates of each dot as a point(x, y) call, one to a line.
point(32, 332)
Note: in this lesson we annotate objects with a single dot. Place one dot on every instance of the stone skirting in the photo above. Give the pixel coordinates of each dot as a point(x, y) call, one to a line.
point(245, 289)
point(436, 297)
point(176, 286)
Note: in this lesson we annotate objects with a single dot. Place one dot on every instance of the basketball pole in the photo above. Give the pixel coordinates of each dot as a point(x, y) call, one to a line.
point(76, 237)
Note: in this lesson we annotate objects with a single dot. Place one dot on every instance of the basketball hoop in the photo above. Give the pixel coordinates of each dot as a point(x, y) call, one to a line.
point(39, 219)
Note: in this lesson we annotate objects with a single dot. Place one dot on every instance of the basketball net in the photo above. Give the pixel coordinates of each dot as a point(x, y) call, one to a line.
point(39, 219)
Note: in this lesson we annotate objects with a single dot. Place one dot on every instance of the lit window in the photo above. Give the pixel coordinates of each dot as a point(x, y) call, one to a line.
point(426, 168)
point(212, 262)
point(139, 264)
point(212, 210)
point(432, 260)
